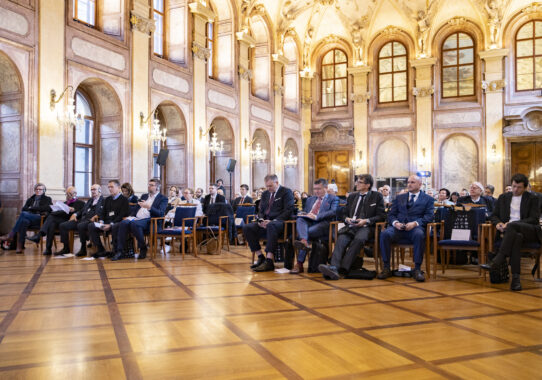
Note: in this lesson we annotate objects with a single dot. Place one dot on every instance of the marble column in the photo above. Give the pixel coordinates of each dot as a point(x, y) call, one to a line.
point(493, 85)
point(52, 74)
point(360, 96)
point(202, 15)
point(245, 43)
point(279, 61)
point(423, 92)
point(306, 120)
point(142, 27)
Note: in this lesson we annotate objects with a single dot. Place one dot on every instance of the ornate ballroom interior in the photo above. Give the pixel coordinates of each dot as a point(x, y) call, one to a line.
point(93, 90)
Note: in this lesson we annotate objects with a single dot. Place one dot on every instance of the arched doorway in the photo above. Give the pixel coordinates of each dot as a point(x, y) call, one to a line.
point(218, 162)
point(458, 162)
point(291, 177)
point(261, 163)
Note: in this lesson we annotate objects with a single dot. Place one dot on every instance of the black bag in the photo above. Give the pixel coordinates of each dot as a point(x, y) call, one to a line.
point(361, 274)
point(289, 254)
point(357, 264)
point(12, 244)
point(319, 254)
point(501, 274)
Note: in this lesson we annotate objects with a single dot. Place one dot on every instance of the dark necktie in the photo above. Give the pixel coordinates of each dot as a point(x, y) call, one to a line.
point(271, 200)
point(411, 201)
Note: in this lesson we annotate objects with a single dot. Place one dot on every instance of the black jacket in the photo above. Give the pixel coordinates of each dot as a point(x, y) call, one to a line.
point(88, 210)
point(237, 201)
point(43, 206)
point(372, 209)
point(207, 201)
point(114, 210)
point(529, 210)
point(158, 207)
point(283, 205)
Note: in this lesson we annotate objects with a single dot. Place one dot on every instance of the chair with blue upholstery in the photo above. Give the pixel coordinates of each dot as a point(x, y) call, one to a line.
point(217, 221)
point(243, 212)
point(184, 226)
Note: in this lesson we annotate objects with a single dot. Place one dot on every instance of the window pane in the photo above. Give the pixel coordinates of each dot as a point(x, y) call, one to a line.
point(399, 79)
point(449, 89)
point(340, 85)
point(466, 87)
point(398, 49)
point(466, 56)
point(525, 65)
point(466, 72)
point(451, 42)
point(538, 29)
point(525, 48)
point(399, 64)
point(384, 65)
point(328, 58)
point(327, 87)
point(158, 35)
point(399, 93)
point(340, 99)
point(327, 100)
point(210, 61)
point(384, 95)
point(526, 31)
point(525, 81)
point(83, 159)
point(86, 10)
point(538, 65)
point(81, 105)
point(538, 80)
point(385, 81)
point(339, 56)
point(82, 183)
point(385, 51)
point(465, 40)
point(449, 58)
point(210, 30)
point(159, 5)
point(156, 168)
point(156, 146)
point(327, 72)
point(449, 74)
point(340, 70)
point(538, 46)
point(84, 134)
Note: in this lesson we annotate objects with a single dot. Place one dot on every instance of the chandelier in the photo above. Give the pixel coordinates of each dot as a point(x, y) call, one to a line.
point(215, 146)
point(258, 154)
point(290, 161)
point(155, 133)
point(356, 164)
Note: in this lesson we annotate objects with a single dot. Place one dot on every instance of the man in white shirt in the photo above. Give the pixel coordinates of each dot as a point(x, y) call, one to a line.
point(386, 195)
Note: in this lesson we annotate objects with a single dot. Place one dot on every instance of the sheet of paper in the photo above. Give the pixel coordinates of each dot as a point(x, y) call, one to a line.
point(60, 206)
point(282, 270)
point(88, 259)
point(404, 268)
point(238, 221)
point(460, 234)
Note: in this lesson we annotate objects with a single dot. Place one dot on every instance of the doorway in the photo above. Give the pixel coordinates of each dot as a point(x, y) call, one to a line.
point(526, 158)
point(334, 165)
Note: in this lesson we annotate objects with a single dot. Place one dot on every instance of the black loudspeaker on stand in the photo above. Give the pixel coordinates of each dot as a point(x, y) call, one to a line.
point(162, 157)
point(230, 168)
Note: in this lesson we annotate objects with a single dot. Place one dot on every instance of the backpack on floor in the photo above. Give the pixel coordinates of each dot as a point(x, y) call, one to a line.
point(318, 255)
point(501, 274)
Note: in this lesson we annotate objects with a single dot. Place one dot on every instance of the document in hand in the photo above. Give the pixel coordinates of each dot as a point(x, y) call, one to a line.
point(60, 206)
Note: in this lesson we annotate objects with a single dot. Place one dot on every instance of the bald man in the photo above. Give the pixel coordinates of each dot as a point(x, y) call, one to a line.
point(54, 219)
point(407, 219)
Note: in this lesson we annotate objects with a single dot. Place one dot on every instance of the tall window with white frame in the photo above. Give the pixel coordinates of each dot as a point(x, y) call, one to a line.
point(159, 32)
point(83, 146)
point(84, 11)
point(210, 44)
point(334, 79)
point(158, 171)
point(457, 66)
point(529, 56)
point(392, 73)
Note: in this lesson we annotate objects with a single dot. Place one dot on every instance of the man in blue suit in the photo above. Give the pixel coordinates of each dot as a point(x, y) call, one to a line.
point(407, 220)
point(150, 205)
point(313, 223)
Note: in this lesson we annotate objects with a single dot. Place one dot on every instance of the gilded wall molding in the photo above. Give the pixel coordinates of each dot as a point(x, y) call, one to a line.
point(306, 101)
point(494, 85)
point(457, 21)
point(200, 51)
point(244, 72)
point(423, 92)
point(361, 97)
point(278, 89)
point(142, 24)
point(533, 8)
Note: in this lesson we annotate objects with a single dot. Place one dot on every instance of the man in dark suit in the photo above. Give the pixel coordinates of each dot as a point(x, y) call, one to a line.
point(150, 205)
point(516, 215)
point(276, 206)
point(220, 185)
point(244, 198)
point(476, 196)
point(80, 220)
point(364, 208)
point(407, 218)
point(212, 197)
point(30, 216)
point(313, 222)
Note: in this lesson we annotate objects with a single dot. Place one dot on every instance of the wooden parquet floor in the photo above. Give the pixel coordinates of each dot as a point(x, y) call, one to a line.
point(211, 317)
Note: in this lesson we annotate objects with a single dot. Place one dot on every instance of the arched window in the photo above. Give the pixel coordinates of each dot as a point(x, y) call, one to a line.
point(83, 146)
point(84, 11)
point(158, 12)
point(210, 43)
point(334, 79)
point(457, 66)
point(392, 73)
point(529, 56)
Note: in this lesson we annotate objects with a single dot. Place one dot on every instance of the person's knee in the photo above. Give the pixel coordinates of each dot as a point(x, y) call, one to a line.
point(418, 234)
point(359, 241)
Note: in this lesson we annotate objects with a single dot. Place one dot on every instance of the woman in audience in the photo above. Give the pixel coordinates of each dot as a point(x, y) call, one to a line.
point(304, 197)
point(298, 200)
point(454, 197)
point(464, 192)
point(258, 199)
point(444, 197)
point(128, 192)
point(173, 198)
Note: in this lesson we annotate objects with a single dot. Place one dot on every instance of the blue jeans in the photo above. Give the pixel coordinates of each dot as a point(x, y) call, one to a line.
point(138, 228)
point(25, 221)
point(310, 230)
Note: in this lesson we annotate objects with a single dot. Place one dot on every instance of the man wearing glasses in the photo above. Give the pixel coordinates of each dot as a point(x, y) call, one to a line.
point(30, 216)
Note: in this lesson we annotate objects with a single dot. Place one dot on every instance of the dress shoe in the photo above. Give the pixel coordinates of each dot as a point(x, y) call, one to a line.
point(386, 272)
point(329, 271)
point(63, 251)
point(142, 254)
point(515, 284)
point(99, 254)
point(117, 256)
point(418, 275)
point(47, 252)
point(82, 252)
point(266, 266)
point(261, 260)
point(494, 264)
point(35, 238)
point(298, 268)
point(300, 246)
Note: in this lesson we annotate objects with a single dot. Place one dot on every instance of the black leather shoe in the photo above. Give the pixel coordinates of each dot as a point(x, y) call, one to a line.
point(47, 252)
point(515, 284)
point(300, 246)
point(116, 256)
point(418, 275)
point(266, 266)
point(99, 254)
point(142, 254)
point(63, 251)
point(328, 271)
point(82, 252)
point(34, 239)
point(261, 260)
point(386, 273)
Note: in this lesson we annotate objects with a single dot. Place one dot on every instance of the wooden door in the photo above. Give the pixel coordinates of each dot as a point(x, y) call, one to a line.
point(526, 159)
point(334, 165)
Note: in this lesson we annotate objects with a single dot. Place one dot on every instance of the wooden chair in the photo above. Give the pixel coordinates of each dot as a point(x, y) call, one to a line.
point(244, 211)
point(184, 226)
point(284, 235)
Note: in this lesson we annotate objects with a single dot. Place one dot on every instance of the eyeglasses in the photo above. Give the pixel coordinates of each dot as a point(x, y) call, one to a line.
point(39, 189)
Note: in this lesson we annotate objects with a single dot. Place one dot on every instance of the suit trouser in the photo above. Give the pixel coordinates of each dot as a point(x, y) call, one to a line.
point(515, 235)
point(310, 230)
point(138, 228)
point(71, 225)
point(95, 232)
point(253, 233)
point(390, 235)
point(348, 246)
point(25, 221)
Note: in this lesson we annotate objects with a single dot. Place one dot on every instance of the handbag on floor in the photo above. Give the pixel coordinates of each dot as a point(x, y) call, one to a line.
point(318, 255)
point(501, 274)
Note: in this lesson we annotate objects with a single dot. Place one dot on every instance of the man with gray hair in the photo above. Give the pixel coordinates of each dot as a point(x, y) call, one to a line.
point(476, 196)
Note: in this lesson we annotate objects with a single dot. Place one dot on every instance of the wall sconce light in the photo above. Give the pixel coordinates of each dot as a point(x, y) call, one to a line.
point(357, 163)
point(155, 132)
point(69, 118)
point(493, 155)
point(203, 134)
point(248, 144)
point(290, 161)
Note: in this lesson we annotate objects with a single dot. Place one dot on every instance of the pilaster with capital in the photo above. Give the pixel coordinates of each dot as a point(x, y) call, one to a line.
point(279, 61)
point(306, 119)
point(493, 84)
point(360, 97)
